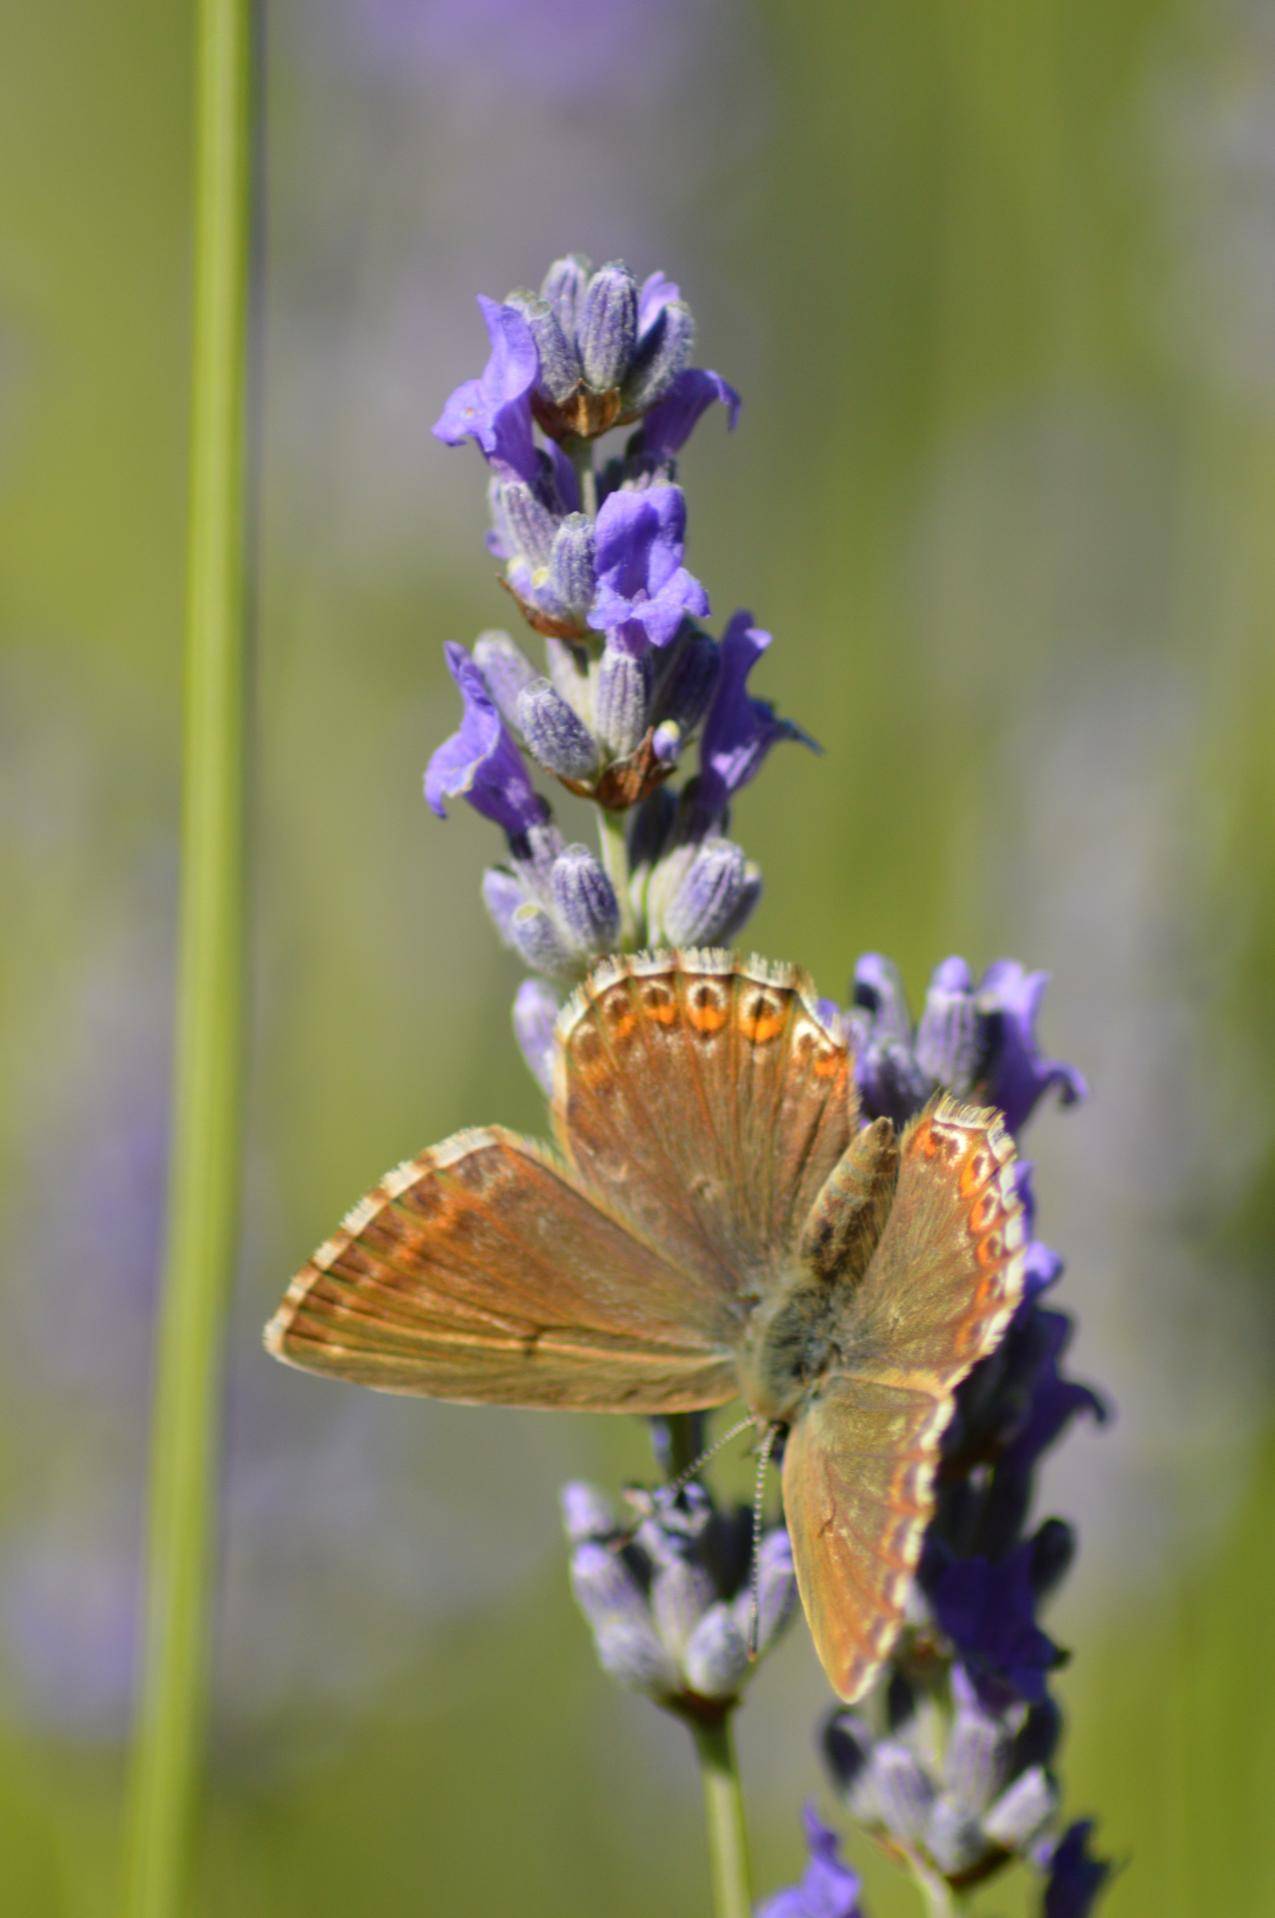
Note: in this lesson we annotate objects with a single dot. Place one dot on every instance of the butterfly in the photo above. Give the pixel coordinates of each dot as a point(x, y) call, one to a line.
point(715, 1223)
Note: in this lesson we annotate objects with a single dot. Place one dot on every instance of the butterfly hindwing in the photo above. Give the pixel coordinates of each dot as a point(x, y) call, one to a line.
point(481, 1272)
point(706, 1099)
point(937, 1296)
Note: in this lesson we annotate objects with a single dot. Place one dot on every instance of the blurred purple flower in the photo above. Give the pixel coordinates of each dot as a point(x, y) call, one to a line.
point(495, 409)
point(672, 420)
point(987, 1607)
point(1017, 1075)
point(829, 1889)
point(481, 762)
point(1075, 1877)
point(739, 730)
point(643, 592)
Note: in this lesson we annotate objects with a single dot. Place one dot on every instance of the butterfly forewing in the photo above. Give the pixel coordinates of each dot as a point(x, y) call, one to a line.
point(938, 1293)
point(708, 1102)
point(481, 1272)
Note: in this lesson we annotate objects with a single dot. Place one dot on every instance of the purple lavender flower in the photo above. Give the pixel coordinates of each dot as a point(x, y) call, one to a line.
point(670, 423)
point(829, 1888)
point(643, 590)
point(1075, 1877)
point(480, 762)
point(987, 1607)
point(977, 1040)
point(1017, 1076)
point(495, 409)
point(739, 730)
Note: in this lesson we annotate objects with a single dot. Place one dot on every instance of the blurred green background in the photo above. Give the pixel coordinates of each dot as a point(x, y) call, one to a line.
point(998, 282)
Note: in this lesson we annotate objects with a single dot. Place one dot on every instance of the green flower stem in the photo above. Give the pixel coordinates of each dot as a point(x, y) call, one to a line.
point(613, 843)
point(205, 1170)
point(724, 1816)
point(939, 1899)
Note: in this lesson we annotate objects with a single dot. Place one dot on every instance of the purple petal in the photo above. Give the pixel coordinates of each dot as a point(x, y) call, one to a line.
point(480, 762)
point(829, 1889)
point(643, 590)
point(672, 420)
point(495, 409)
point(1075, 1878)
point(1017, 1074)
point(739, 730)
point(657, 292)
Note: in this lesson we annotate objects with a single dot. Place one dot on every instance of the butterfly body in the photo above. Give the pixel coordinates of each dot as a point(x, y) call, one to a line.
point(716, 1224)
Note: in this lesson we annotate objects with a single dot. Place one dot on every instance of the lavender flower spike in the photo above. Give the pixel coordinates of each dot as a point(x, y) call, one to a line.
point(739, 730)
point(829, 1889)
point(480, 762)
point(643, 592)
point(495, 409)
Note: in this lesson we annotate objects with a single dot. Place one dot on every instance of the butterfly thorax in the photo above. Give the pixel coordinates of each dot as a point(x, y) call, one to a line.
point(804, 1329)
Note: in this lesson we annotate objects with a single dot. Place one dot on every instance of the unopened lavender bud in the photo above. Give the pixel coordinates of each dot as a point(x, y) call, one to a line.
point(539, 944)
point(713, 898)
point(586, 1512)
point(1053, 1549)
point(716, 1661)
point(531, 526)
point(847, 1744)
point(506, 669)
point(681, 1593)
point(608, 326)
point(950, 1038)
point(976, 1758)
point(503, 896)
point(897, 1791)
point(662, 351)
point(585, 900)
point(954, 1839)
point(652, 824)
point(1021, 1812)
point(633, 1656)
point(620, 700)
point(559, 361)
point(564, 287)
point(687, 685)
point(535, 1015)
point(573, 579)
point(554, 733)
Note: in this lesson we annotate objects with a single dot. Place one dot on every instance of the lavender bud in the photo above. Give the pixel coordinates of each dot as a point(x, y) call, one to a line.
point(585, 900)
point(976, 1759)
point(652, 824)
point(537, 850)
point(1019, 1814)
point(538, 943)
point(847, 1744)
point(564, 287)
point(572, 574)
point(587, 1513)
point(608, 326)
point(503, 896)
point(559, 361)
point(662, 351)
point(687, 685)
point(716, 1660)
point(633, 1656)
point(535, 1015)
point(899, 1793)
point(506, 669)
point(621, 696)
point(555, 734)
point(953, 1838)
point(950, 1036)
point(715, 896)
point(681, 1593)
point(531, 526)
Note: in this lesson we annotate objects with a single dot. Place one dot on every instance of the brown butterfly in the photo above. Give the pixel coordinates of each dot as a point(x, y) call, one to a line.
point(717, 1225)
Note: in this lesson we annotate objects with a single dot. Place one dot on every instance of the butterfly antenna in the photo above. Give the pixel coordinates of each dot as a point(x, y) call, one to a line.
point(759, 1500)
point(667, 1493)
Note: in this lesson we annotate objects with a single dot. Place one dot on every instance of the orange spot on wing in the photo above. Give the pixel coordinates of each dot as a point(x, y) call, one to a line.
point(707, 1018)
